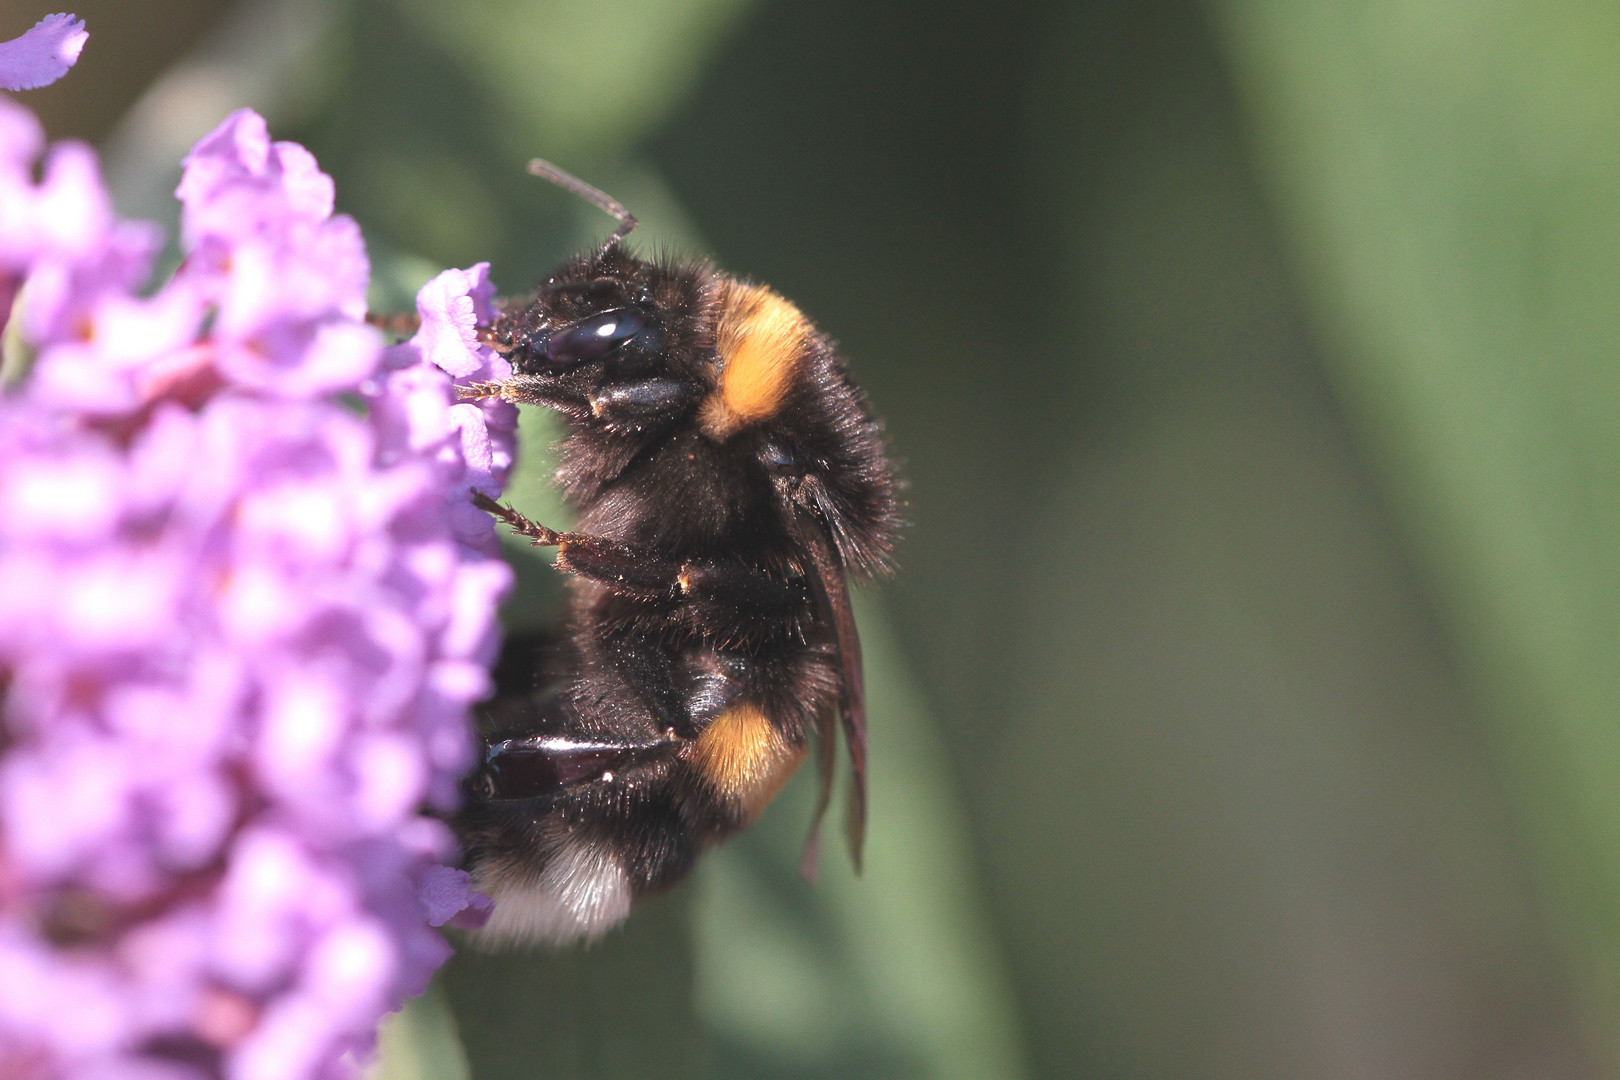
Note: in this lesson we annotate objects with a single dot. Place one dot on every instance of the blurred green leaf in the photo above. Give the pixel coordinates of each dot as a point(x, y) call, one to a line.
point(583, 76)
point(1450, 173)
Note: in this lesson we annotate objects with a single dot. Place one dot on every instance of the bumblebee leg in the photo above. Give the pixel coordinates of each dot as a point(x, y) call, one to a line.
point(640, 403)
point(722, 599)
point(627, 569)
point(539, 534)
point(733, 602)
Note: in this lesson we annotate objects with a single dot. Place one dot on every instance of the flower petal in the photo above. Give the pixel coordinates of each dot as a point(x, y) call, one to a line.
point(43, 54)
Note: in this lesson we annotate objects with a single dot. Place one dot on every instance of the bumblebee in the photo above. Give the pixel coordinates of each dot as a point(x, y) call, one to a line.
point(728, 477)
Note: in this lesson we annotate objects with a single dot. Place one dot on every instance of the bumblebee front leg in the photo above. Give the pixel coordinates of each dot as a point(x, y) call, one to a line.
point(725, 599)
point(627, 569)
point(537, 533)
point(626, 406)
point(729, 602)
point(624, 568)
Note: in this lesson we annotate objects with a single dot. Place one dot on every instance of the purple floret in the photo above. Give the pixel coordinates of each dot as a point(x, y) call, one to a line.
point(43, 54)
point(241, 623)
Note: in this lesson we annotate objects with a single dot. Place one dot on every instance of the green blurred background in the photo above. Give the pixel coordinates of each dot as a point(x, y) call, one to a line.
point(1248, 703)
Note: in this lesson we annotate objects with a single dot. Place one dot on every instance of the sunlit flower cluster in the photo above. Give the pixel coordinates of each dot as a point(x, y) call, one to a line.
point(245, 605)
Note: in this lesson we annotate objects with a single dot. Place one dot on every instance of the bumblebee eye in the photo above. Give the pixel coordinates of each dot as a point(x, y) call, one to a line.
point(592, 338)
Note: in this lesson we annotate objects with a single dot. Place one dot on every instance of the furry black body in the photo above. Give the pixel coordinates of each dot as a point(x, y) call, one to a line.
point(727, 475)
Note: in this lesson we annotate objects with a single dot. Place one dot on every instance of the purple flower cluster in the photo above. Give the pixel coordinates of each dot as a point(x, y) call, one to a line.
point(244, 607)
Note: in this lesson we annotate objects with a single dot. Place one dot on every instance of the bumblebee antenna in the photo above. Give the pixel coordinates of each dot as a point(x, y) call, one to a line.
point(598, 198)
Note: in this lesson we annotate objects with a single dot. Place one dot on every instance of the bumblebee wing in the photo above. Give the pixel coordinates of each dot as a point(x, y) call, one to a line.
point(826, 761)
point(830, 587)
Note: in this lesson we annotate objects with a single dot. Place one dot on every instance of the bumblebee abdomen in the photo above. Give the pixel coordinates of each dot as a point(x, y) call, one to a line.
point(744, 759)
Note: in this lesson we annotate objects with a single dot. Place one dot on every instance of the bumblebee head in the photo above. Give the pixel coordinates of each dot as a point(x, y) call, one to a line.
point(615, 343)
